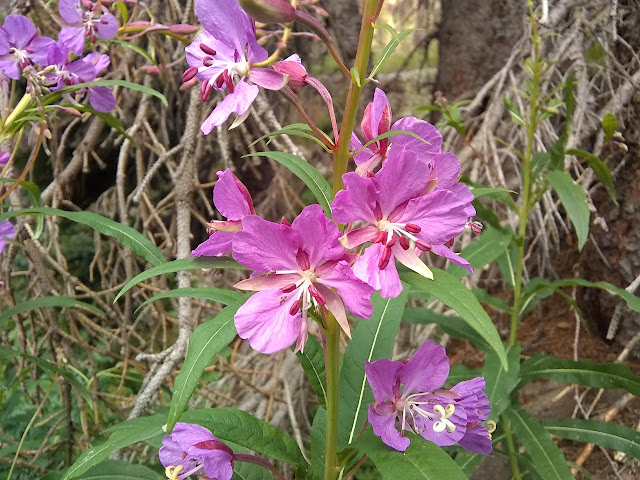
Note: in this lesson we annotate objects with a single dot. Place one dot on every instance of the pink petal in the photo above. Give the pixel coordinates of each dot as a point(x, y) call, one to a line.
point(386, 280)
point(384, 426)
point(403, 176)
point(70, 11)
point(446, 252)
point(446, 169)
point(218, 243)
point(264, 246)
point(357, 201)
point(265, 321)
point(409, 259)
point(382, 376)
point(421, 128)
point(19, 29)
point(73, 38)
point(335, 306)
point(355, 293)
point(319, 235)
point(427, 370)
point(267, 78)
point(356, 145)
point(237, 102)
point(228, 197)
point(109, 29)
point(268, 281)
point(359, 236)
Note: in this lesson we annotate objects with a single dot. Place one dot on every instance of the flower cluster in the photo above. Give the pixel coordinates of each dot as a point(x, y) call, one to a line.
point(408, 396)
point(49, 65)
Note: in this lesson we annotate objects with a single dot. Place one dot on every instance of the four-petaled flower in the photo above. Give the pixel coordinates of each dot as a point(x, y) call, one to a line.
point(92, 22)
point(408, 397)
point(222, 57)
point(233, 201)
point(403, 220)
point(21, 45)
point(193, 450)
point(304, 268)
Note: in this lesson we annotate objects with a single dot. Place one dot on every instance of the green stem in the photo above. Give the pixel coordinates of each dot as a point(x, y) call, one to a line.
point(513, 454)
point(532, 126)
point(332, 372)
point(341, 155)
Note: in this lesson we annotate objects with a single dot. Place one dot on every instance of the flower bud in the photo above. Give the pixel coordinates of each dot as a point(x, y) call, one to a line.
point(269, 11)
point(183, 29)
point(292, 67)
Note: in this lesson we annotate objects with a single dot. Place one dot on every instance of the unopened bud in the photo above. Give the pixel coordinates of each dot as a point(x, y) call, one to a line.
point(183, 29)
point(269, 11)
point(151, 69)
point(297, 73)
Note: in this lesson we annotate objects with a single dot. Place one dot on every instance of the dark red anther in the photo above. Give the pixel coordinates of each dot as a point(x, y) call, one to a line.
point(207, 61)
point(228, 80)
point(205, 90)
point(303, 260)
point(391, 242)
point(384, 259)
point(317, 295)
point(411, 228)
point(208, 50)
point(380, 237)
point(288, 288)
point(220, 79)
point(404, 243)
point(423, 246)
point(284, 221)
point(451, 242)
point(295, 308)
point(189, 73)
point(377, 211)
point(236, 56)
point(104, 22)
point(29, 50)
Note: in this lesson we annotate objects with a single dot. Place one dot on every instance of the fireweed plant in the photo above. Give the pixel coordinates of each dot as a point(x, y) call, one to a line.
point(339, 273)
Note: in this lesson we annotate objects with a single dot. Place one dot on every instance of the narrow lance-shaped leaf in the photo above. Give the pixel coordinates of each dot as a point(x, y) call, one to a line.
point(230, 424)
point(182, 264)
point(574, 200)
point(60, 301)
point(372, 339)
point(307, 173)
point(547, 459)
point(500, 384)
point(204, 344)
point(312, 361)
point(220, 295)
point(130, 237)
point(423, 460)
point(448, 289)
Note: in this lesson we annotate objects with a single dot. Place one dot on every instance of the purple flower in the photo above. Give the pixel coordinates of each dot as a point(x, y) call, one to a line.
point(232, 199)
point(80, 71)
point(376, 120)
point(4, 158)
point(7, 231)
point(193, 450)
point(20, 45)
point(222, 57)
point(403, 221)
point(95, 21)
point(305, 269)
point(408, 396)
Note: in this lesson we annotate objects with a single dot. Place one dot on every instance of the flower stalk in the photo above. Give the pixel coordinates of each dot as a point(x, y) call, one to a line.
point(332, 359)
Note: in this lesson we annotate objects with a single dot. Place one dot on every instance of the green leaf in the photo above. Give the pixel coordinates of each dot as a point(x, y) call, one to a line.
point(514, 111)
point(609, 125)
point(220, 295)
point(124, 12)
point(312, 361)
point(468, 461)
point(230, 424)
point(483, 297)
point(139, 50)
point(355, 76)
point(110, 83)
point(128, 236)
point(539, 162)
point(295, 129)
point(599, 168)
point(507, 263)
point(60, 301)
point(490, 192)
point(574, 199)
point(192, 263)
point(460, 373)
point(582, 372)
point(318, 441)
point(547, 458)
point(540, 286)
point(448, 289)
point(124, 434)
point(570, 102)
point(34, 194)
point(606, 434)
point(318, 185)
point(372, 339)
point(500, 384)
point(204, 344)
point(423, 460)
point(453, 325)
point(112, 470)
point(490, 245)
point(391, 46)
point(556, 155)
